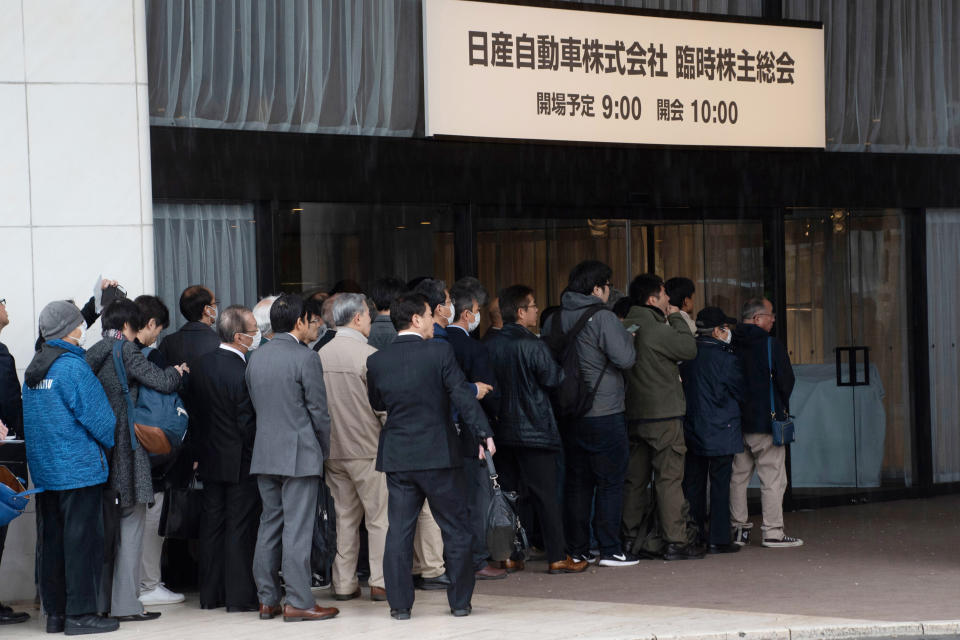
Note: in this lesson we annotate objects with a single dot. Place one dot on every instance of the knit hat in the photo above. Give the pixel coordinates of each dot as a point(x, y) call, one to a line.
point(58, 319)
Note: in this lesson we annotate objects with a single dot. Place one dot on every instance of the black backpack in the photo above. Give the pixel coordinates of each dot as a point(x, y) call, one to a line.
point(573, 398)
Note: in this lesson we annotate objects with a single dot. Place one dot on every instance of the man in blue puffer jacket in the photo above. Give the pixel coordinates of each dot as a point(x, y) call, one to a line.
point(67, 422)
point(713, 385)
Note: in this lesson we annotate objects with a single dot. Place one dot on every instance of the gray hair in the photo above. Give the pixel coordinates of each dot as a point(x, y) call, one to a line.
point(346, 306)
point(231, 322)
point(752, 307)
point(261, 313)
point(469, 282)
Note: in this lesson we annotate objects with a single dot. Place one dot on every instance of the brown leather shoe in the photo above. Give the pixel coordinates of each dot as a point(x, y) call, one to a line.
point(316, 613)
point(378, 594)
point(568, 565)
point(347, 596)
point(269, 612)
point(512, 565)
point(490, 573)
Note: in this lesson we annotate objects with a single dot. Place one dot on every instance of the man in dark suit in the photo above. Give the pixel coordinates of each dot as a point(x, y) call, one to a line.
point(195, 339)
point(226, 426)
point(415, 380)
point(472, 357)
point(285, 380)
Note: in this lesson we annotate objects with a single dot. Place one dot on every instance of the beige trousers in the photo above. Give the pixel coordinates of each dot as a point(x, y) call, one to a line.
point(769, 461)
point(359, 491)
point(428, 546)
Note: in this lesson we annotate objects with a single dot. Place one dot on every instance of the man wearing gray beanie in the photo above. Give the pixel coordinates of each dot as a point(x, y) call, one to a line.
point(60, 319)
point(68, 422)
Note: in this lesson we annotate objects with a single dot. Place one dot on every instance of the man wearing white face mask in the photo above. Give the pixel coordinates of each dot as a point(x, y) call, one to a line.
point(713, 385)
point(198, 305)
point(468, 296)
point(428, 547)
point(225, 429)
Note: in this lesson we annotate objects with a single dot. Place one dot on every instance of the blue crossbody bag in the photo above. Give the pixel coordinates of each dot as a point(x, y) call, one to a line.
point(783, 430)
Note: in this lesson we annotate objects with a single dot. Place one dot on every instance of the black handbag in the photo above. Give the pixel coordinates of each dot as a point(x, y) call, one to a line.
point(783, 430)
point(505, 535)
point(181, 513)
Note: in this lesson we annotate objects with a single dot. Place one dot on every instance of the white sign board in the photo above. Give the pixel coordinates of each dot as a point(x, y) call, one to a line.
point(515, 71)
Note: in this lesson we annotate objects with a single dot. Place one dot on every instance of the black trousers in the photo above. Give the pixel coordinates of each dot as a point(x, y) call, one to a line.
point(479, 491)
point(228, 538)
point(533, 474)
point(70, 549)
point(444, 490)
point(597, 452)
point(718, 469)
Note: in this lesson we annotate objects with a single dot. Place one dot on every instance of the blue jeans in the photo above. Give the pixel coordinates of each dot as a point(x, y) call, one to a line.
point(597, 452)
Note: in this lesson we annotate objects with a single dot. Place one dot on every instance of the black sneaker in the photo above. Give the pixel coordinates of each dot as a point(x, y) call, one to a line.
point(589, 557)
point(318, 581)
point(676, 551)
point(730, 547)
point(622, 559)
point(782, 543)
point(740, 534)
point(90, 623)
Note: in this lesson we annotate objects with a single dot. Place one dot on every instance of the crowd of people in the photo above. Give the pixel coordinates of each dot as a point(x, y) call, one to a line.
point(629, 428)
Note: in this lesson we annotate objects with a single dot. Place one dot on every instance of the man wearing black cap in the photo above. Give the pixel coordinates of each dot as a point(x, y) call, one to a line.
point(713, 385)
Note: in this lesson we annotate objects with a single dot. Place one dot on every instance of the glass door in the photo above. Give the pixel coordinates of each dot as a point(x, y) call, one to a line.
point(723, 258)
point(846, 331)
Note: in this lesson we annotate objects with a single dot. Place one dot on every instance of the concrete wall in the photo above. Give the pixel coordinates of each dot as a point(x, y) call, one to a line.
point(75, 192)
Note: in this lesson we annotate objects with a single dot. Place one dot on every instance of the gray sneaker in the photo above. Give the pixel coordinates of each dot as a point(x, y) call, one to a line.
point(785, 541)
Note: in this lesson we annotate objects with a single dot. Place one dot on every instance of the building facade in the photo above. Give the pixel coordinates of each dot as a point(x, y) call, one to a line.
point(271, 146)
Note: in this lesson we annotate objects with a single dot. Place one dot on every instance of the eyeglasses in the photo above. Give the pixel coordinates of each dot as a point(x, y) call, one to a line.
point(314, 321)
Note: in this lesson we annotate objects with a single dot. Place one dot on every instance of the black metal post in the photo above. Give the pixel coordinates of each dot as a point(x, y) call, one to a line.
point(918, 346)
point(775, 290)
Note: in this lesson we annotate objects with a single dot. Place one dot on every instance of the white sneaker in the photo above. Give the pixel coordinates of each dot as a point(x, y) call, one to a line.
point(785, 541)
point(160, 595)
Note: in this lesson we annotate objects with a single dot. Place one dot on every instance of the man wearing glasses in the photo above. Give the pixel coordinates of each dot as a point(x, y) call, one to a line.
point(751, 340)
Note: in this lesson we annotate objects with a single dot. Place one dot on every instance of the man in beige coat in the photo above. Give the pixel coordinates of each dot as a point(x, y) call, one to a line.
point(358, 489)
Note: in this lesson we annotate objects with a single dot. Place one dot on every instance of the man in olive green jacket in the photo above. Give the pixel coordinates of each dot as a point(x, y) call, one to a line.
point(655, 408)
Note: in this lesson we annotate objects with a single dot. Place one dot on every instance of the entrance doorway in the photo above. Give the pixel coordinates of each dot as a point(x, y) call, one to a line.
point(844, 273)
point(847, 338)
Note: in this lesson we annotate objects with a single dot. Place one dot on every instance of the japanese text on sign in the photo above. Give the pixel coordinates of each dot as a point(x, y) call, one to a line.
point(515, 71)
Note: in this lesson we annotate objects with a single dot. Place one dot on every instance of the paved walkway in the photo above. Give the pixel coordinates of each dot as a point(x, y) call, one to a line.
point(889, 569)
